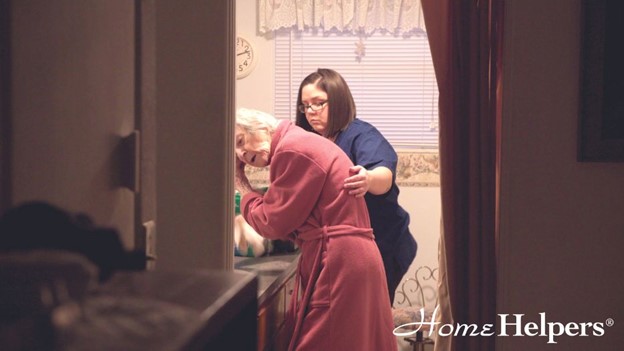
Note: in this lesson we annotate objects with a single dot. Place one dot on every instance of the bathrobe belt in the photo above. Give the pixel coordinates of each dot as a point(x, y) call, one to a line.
point(297, 308)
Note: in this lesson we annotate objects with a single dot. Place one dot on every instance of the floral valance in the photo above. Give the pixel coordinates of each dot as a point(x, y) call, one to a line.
point(357, 16)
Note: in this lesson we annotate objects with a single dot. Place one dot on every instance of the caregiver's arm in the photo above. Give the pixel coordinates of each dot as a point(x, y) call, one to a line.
point(377, 181)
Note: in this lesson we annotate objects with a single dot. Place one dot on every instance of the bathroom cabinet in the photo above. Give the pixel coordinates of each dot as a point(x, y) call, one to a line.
point(276, 282)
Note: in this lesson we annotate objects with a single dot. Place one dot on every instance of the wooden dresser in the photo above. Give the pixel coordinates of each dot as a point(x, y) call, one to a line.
point(225, 304)
point(51, 303)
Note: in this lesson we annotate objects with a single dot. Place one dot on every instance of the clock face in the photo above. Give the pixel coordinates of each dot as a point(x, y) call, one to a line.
point(245, 57)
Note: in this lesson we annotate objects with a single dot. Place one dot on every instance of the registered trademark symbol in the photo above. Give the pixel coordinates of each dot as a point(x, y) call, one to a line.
point(609, 322)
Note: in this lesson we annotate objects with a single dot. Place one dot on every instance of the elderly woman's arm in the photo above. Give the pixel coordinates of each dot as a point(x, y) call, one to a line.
point(241, 183)
point(291, 197)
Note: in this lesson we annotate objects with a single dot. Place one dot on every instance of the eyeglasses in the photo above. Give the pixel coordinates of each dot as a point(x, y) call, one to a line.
point(315, 107)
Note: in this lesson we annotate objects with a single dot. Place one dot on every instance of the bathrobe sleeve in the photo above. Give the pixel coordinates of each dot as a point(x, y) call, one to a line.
point(296, 184)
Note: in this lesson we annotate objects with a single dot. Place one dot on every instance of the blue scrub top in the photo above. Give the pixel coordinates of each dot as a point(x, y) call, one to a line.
point(367, 147)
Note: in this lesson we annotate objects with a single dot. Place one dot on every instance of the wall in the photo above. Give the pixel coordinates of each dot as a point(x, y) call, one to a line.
point(70, 79)
point(256, 91)
point(195, 73)
point(562, 222)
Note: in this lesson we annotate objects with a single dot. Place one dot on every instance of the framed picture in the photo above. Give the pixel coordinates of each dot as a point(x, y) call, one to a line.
point(601, 119)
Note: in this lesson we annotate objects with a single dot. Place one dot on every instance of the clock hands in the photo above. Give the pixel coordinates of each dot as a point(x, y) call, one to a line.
point(244, 64)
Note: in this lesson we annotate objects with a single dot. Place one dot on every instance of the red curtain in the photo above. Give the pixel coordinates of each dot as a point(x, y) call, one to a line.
point(465, 38)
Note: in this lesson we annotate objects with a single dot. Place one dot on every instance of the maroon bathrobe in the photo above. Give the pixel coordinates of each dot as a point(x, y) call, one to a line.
point(343, 303)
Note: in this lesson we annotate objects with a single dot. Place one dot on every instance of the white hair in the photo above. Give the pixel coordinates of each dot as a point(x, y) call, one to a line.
point(253, 120)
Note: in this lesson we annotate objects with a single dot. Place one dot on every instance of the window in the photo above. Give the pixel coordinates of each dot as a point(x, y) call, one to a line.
point(391, 78)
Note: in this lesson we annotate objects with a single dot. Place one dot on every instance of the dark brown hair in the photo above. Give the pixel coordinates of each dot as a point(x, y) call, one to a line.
point(340, 101)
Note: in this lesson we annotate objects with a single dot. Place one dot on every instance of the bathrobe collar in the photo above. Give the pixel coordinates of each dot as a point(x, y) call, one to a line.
point(281, 129)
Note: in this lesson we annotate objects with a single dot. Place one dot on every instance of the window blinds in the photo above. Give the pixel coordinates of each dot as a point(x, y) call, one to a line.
point(391, 78)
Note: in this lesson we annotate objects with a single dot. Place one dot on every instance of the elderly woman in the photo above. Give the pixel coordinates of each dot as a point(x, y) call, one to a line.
point(343, 302)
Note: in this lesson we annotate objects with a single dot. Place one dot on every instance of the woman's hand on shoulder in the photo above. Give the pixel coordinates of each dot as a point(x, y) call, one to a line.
point(358, 183)
point(376, 181)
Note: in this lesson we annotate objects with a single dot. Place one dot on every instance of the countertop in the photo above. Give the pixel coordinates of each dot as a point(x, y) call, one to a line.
point(272, 271)
point(167, 311)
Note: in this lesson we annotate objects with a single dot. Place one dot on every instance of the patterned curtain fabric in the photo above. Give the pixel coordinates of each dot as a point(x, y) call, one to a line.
point(357, 16)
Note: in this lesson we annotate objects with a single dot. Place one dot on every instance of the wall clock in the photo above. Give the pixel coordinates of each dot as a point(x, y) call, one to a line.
point(246, 57)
